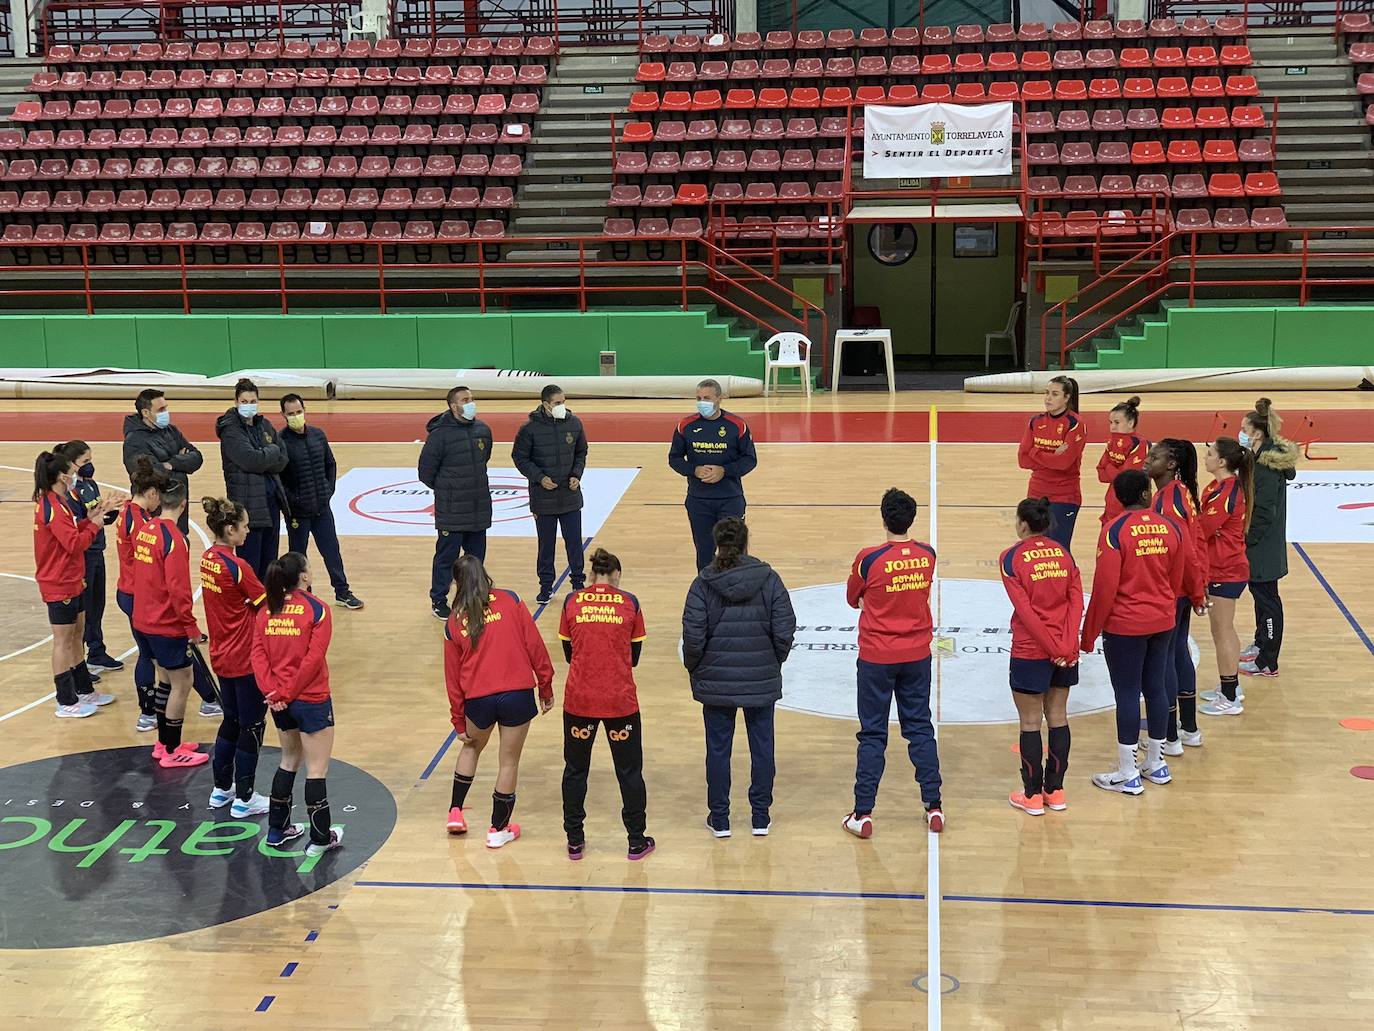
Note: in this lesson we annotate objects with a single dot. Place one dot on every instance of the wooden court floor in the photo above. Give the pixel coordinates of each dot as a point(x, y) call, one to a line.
point(1238, 897)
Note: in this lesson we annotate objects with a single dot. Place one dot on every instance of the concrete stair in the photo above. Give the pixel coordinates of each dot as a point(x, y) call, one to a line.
point(567, 177)
point(15, 76)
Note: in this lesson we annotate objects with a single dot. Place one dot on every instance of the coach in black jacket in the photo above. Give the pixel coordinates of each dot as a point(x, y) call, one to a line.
point(253, 457)
point(149, 431)
point(309, 479)
point(551, 452)
point(453, 464)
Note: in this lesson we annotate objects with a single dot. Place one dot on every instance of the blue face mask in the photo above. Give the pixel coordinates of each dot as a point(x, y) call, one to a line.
point(248, 411)
point(470, 411)
point(162, 420)
point(706, 409)
point(1244, 439)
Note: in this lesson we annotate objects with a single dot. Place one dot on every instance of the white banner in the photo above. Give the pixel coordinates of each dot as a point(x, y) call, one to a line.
point(937, 140)
point(370, 502)
point(1331, 508)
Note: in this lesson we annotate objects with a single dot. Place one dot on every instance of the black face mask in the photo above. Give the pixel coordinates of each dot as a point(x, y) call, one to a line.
point(86, 471)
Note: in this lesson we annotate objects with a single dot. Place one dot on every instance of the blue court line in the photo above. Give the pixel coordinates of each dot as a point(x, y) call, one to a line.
point(1331, 592)
point(867, 895)
point(312, 936)
point(452, 735)
point(288, 970)
point(267, 1001)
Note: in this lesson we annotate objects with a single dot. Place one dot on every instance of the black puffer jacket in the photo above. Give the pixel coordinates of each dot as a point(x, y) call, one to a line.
point(252, 457)
point(310, 471)
point(164, 447)
point(453, 464)
point(737, 629)
point(1266, 542)
point(556, 448)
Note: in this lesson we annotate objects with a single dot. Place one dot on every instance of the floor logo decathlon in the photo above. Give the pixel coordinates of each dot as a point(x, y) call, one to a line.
point(972, 643)
point(375, 502)
point(104, 847)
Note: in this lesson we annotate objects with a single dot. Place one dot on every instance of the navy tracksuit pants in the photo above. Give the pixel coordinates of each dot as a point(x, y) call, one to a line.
point(908, 683)
point(703, 514)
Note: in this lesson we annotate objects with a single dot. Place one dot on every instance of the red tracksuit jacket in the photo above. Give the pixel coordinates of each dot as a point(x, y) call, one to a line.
point(289, 649)
point(162, 581)
point(601, 623)
point(1139, 577)
point(1054, 476)
point(231, 593)
point(1174, 501)
point(60, 541)
point(890, 584)
point(131, 519)
point(1046, 592)
point(510, 656)
point(1222, 515)
point(1123, 451)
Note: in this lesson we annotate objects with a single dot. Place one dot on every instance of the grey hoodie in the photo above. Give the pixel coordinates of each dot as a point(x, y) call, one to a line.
point(737, 629)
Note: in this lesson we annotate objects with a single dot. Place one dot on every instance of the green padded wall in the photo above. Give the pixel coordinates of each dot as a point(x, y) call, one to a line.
point(276, 342)
point(79, 341)
point(676, 343)
point(354, 342)
point(184, 343)
point(1345, 336)
point(25, 342)
point(566, 343)
point(468, 340)
point(1220, 337)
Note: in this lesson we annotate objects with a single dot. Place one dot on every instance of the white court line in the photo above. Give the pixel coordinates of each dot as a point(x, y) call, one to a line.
point(934, 982)
point(121, 657)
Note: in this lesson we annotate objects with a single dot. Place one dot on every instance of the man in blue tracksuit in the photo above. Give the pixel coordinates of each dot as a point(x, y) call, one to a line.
point(715, 451)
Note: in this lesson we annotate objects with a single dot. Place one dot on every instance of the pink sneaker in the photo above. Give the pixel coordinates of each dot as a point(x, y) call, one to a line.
point(457, 822)
point(1033, 805)
point(185, 756)
point(160, 751)
point(496, 839)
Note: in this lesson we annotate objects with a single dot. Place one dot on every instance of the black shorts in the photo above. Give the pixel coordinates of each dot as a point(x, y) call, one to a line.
point(1232, 589)
point(1036, 676)
point(170, 653)
point(508, 708)
point(307, 717)
point(65, 613)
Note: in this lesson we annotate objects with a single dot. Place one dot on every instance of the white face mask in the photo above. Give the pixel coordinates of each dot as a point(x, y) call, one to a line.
point(1244, 439)
point(559, 411)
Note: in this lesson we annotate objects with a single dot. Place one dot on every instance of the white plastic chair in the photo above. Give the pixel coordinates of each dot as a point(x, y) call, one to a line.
point(1008, 334)
point(794, 352)
point(369, 21)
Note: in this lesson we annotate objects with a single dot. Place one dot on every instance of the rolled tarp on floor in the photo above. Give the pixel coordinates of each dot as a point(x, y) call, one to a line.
point(1096, 381)
point(349, 384)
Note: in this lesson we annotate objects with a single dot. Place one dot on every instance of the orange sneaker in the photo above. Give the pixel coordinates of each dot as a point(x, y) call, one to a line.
point(457, 823)
point(1055, 800)
point(1033, 805)
point(184, 756)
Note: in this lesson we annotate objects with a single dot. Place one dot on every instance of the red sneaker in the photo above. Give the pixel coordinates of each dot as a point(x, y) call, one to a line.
point(1055, 800)
point(935, 820)
point(1033, 805)
point(457, 823)
point(185, 756)
point(859, 826)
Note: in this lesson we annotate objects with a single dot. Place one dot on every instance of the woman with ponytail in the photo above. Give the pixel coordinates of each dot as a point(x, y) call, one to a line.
point(1172, 466)
point(232, 594)
point(1046, 592)
point(145, 490)
point(602, 630)
point(1224, 512)
point(1125, 449)
point(291, 639)
point(737, 630)
point(1266, 542)
point(1052, 449)
point(494, 662)
point(60, 540)
point(85, 492)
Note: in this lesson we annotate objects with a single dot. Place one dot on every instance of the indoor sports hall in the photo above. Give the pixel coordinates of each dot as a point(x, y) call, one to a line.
point(870, 246)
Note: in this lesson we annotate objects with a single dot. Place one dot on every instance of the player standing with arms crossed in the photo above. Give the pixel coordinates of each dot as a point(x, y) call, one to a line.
point(1046, 593)
point(890, 586)
point(602, 630)
point(1052, 449)
point(1125, 449)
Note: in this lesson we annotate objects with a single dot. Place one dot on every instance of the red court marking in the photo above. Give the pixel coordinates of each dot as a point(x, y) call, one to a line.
point(1363, 772)
point(1015, 749)
point(854, 427)
point(1358, 723)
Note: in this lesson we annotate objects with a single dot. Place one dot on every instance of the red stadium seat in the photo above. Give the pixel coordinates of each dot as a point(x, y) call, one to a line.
point(1184, 152)
point(1220, 152)
point(1261, 184)
point(1225, 184)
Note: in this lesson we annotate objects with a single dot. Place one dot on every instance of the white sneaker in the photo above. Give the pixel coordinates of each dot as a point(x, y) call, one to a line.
point(1160, 774)
point(1174, 747)
point(859, 826)
point(210, 709)
point(507, 834)
point(1116, 780)
point(146, 722)
point(336, 839)
point(75, 712)
point(1250, 654)
point(257, 805)
point(1215, 693)
point(1222, 706)
point(95, 698)
point(221, 797)
point(1191, 738)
